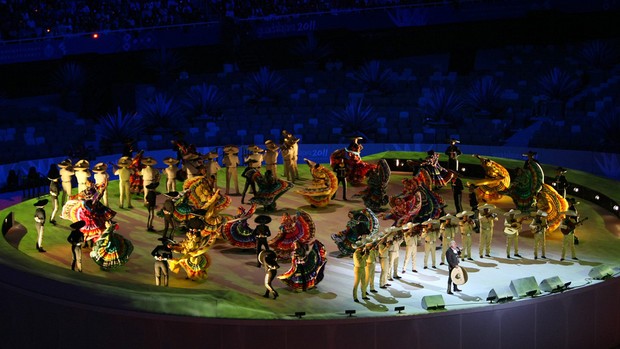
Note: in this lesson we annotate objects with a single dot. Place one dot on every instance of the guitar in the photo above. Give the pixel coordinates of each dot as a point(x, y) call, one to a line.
point(570, 226)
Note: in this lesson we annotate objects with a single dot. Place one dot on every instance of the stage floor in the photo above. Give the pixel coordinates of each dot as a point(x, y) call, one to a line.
point(234, 286)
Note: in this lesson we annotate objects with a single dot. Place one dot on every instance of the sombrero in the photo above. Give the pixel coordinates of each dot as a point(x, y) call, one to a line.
point(529, 153)
point(561, 169)
point(153, 185)
point(512, 211)
point(231, 149)
point(453, 140)
point(171, 161)
point(459, 276)
point(41, 203)
point(271, 145)
point(486, 206)
point(267, 257)
point(255, 148)
point(446, 217)
point(541, 213)
point(464, 213)
point(123, 162)
point(191, 156)
point(570, 213)
point(77, 225)
point(262, 219)
point(149, 161)
point(430, 221)
point(172, 194)
point(82, 165)
point(65, 163)
point(212, 155)
point(100, 167)
point(167, 240)
point(195, 223)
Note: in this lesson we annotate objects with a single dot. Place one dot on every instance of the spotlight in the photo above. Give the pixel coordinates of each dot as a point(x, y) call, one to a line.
point(463, 169)
point(531, 293)
point(399, 309)
point(597, 197)
point(615, 207)
point(397, 162)
point(349, 312)
point(95, 36)
point(576, 190)
point(554, 184)
point(299, 314)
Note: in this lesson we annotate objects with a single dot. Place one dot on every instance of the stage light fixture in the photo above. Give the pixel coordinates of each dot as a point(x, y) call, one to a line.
point(499, 295)
point(399, 309)
point(299, 314)
point(531, 293)
point(553, 184)
point(597, 197)
point(463, 169)
point(615, 207)
point(576, 190)
point(349, 312)
point(397, 162)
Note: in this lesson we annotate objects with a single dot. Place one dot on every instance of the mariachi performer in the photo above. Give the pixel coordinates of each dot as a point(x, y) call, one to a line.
point(76, 239)
point(466, 228)
point(111, 250)
point(39, 222)
point(101, 179)
point(307, 268)
point(231, 161)
point(261, 233)
point(568, 227)
point(268, 259)
point(271, 157)
point(167, 212)
point(82, 173)
point(149, 175)
point(452, 256)
point(86, 206)
point(66, 173)
point(512, 227)
point(171, 173)
point(453, 153)
point(54, 176)
point(124, 176)
point(559, 182)
point(539, 229)
point(212, 167)
point(162, 254)
point(253, 165)
point(151, 203)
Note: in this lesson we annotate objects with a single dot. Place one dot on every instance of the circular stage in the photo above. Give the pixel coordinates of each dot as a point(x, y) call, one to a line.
point(231, 296)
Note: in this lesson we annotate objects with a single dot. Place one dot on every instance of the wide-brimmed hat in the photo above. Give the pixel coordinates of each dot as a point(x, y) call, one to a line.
point(212, 155)
point(195, 223)
point(430, 152)
point(170, 161)
point(271, 145)
point(100, 167)
point(572, 201)
point(512, 211)
point(231, 148)
point(292, 139)
point(153, 185)
point(430, 221)
point(561, 169)
point(454, 140)
point(541, 213)
point(570, 213)
point(65, 163)
point(486, 206)
point(255, 148)
point(464, 213)
point(172, 194)
point(191, 156)
point(148, 161)
point(125, 161)
point(446, 217)
point(41, 203)
point(166, 241)
point(82, 165)
point(262, 219)
point(77, 225)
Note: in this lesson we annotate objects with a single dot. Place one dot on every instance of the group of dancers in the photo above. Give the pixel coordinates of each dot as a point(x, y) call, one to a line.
point(418, 212)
